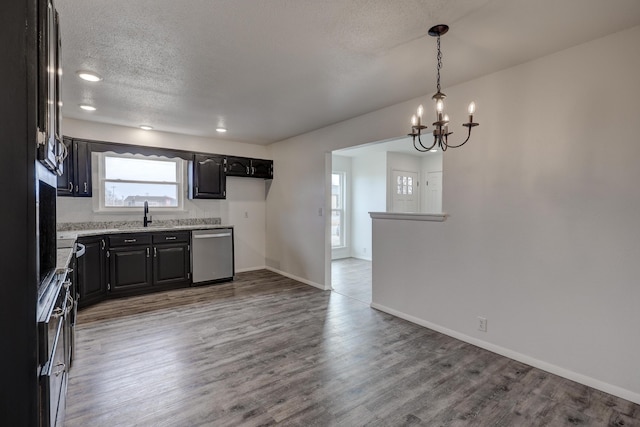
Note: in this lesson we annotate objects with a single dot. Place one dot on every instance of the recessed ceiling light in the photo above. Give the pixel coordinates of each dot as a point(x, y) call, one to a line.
point(88, 107)
point(145, 127)
point(221, 130)
point(89, 76)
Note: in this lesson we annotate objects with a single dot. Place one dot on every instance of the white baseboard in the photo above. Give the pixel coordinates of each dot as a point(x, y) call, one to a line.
point(244, 270)
point(299, 279)
point(557, 370)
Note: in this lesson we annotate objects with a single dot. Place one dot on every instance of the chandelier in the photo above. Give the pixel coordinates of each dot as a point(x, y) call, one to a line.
point(441, 125)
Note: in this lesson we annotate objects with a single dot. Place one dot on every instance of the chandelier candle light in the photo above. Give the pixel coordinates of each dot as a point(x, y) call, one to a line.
point(441, 125)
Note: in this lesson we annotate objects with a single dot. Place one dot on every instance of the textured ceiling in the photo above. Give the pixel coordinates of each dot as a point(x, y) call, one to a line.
point(269, 70)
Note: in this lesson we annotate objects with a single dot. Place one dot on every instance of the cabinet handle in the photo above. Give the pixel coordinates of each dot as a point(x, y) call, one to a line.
point(57, 312)
point(170, 238)
point(148, 253)
point(77, 188)
point(102, 245)
point(129, 240)
point(247, 170)
point(253, 170)
point(85, 188)
point(155, 252)
point(71, 187)
point(62, 367)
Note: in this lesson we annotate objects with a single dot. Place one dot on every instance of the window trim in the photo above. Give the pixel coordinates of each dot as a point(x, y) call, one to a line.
point(341, 210)
point(99, 181)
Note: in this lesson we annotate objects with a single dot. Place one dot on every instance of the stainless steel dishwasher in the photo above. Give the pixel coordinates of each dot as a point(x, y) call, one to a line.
point(212, 255)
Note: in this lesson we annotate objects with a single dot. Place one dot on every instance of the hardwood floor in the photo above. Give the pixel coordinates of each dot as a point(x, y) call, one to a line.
point(266, 350)
point(352, 277)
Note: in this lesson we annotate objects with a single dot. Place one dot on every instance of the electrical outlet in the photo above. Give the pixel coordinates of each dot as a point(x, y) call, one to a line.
point(482, 324)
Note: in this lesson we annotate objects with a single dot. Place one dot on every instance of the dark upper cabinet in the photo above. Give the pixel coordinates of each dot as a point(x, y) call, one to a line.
point(65, 180)
point(76, 177)
point(207, 179)
point(82, 168)
point(254, 168)
point(91, 271)
point(262, 168)
point(51, 150)
point(238, 166)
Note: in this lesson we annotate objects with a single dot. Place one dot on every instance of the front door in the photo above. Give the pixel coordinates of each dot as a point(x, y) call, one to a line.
point(406, 198)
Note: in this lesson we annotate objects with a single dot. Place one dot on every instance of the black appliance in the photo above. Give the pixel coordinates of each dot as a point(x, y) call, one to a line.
point(46, 209)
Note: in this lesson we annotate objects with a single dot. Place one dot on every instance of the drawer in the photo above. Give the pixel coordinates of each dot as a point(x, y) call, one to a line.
point(178, 237)
point(129, 240)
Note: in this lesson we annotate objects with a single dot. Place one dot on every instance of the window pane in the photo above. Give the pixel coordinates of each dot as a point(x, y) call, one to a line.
point(130, 194)
point(336, 229)
point(140, 169)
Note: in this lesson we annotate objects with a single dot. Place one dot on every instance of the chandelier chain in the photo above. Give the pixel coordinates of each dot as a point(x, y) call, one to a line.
point(439, 63)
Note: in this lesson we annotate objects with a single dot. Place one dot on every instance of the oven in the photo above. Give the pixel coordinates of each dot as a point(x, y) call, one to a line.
point(53, 350)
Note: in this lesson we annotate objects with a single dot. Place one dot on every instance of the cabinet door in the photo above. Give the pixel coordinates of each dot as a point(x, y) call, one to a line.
point(82, 168)
point(171, 264)
point(262, 168)
point(91, 271)
point(65, 181)
point(238, 166)
point(129, 268)
point(207, 177)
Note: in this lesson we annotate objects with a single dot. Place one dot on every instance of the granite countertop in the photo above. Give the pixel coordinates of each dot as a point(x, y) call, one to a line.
point(74, 234)
point(63, 259)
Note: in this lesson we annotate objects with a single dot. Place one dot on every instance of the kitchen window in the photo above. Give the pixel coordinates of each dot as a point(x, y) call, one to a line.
point(126, 181)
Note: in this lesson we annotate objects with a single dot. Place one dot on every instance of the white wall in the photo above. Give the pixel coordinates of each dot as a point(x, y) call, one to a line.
point(343, 164)
point(244, 195)
point(369, 195)
point(543, 237)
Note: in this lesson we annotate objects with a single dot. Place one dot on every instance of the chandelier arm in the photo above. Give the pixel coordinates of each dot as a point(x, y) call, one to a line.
point(423, 149)
point(464, 142)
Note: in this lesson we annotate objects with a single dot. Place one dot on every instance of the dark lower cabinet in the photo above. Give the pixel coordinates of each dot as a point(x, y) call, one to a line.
point(140, 262)
point(129, 268)
point(171, 264)
point(91, 271)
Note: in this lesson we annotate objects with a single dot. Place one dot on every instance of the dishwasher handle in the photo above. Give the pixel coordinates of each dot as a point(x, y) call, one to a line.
point(207, 236)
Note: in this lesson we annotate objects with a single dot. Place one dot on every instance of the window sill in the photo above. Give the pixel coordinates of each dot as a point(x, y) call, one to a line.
point(412, 216)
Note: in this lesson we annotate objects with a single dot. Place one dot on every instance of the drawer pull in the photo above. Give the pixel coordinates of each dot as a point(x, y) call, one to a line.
point(130, 240)
point(170, 238)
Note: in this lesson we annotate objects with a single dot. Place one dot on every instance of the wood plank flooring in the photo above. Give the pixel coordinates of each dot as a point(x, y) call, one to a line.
point(266, 350)
point(352, 277)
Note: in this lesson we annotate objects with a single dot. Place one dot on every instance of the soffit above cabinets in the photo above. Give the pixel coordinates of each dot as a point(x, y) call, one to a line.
point(269, 70)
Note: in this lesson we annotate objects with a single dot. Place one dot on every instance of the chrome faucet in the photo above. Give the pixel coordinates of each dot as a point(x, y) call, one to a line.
point(146, 221)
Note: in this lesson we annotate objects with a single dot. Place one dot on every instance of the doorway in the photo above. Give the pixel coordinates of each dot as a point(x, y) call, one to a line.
point(389, 176)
